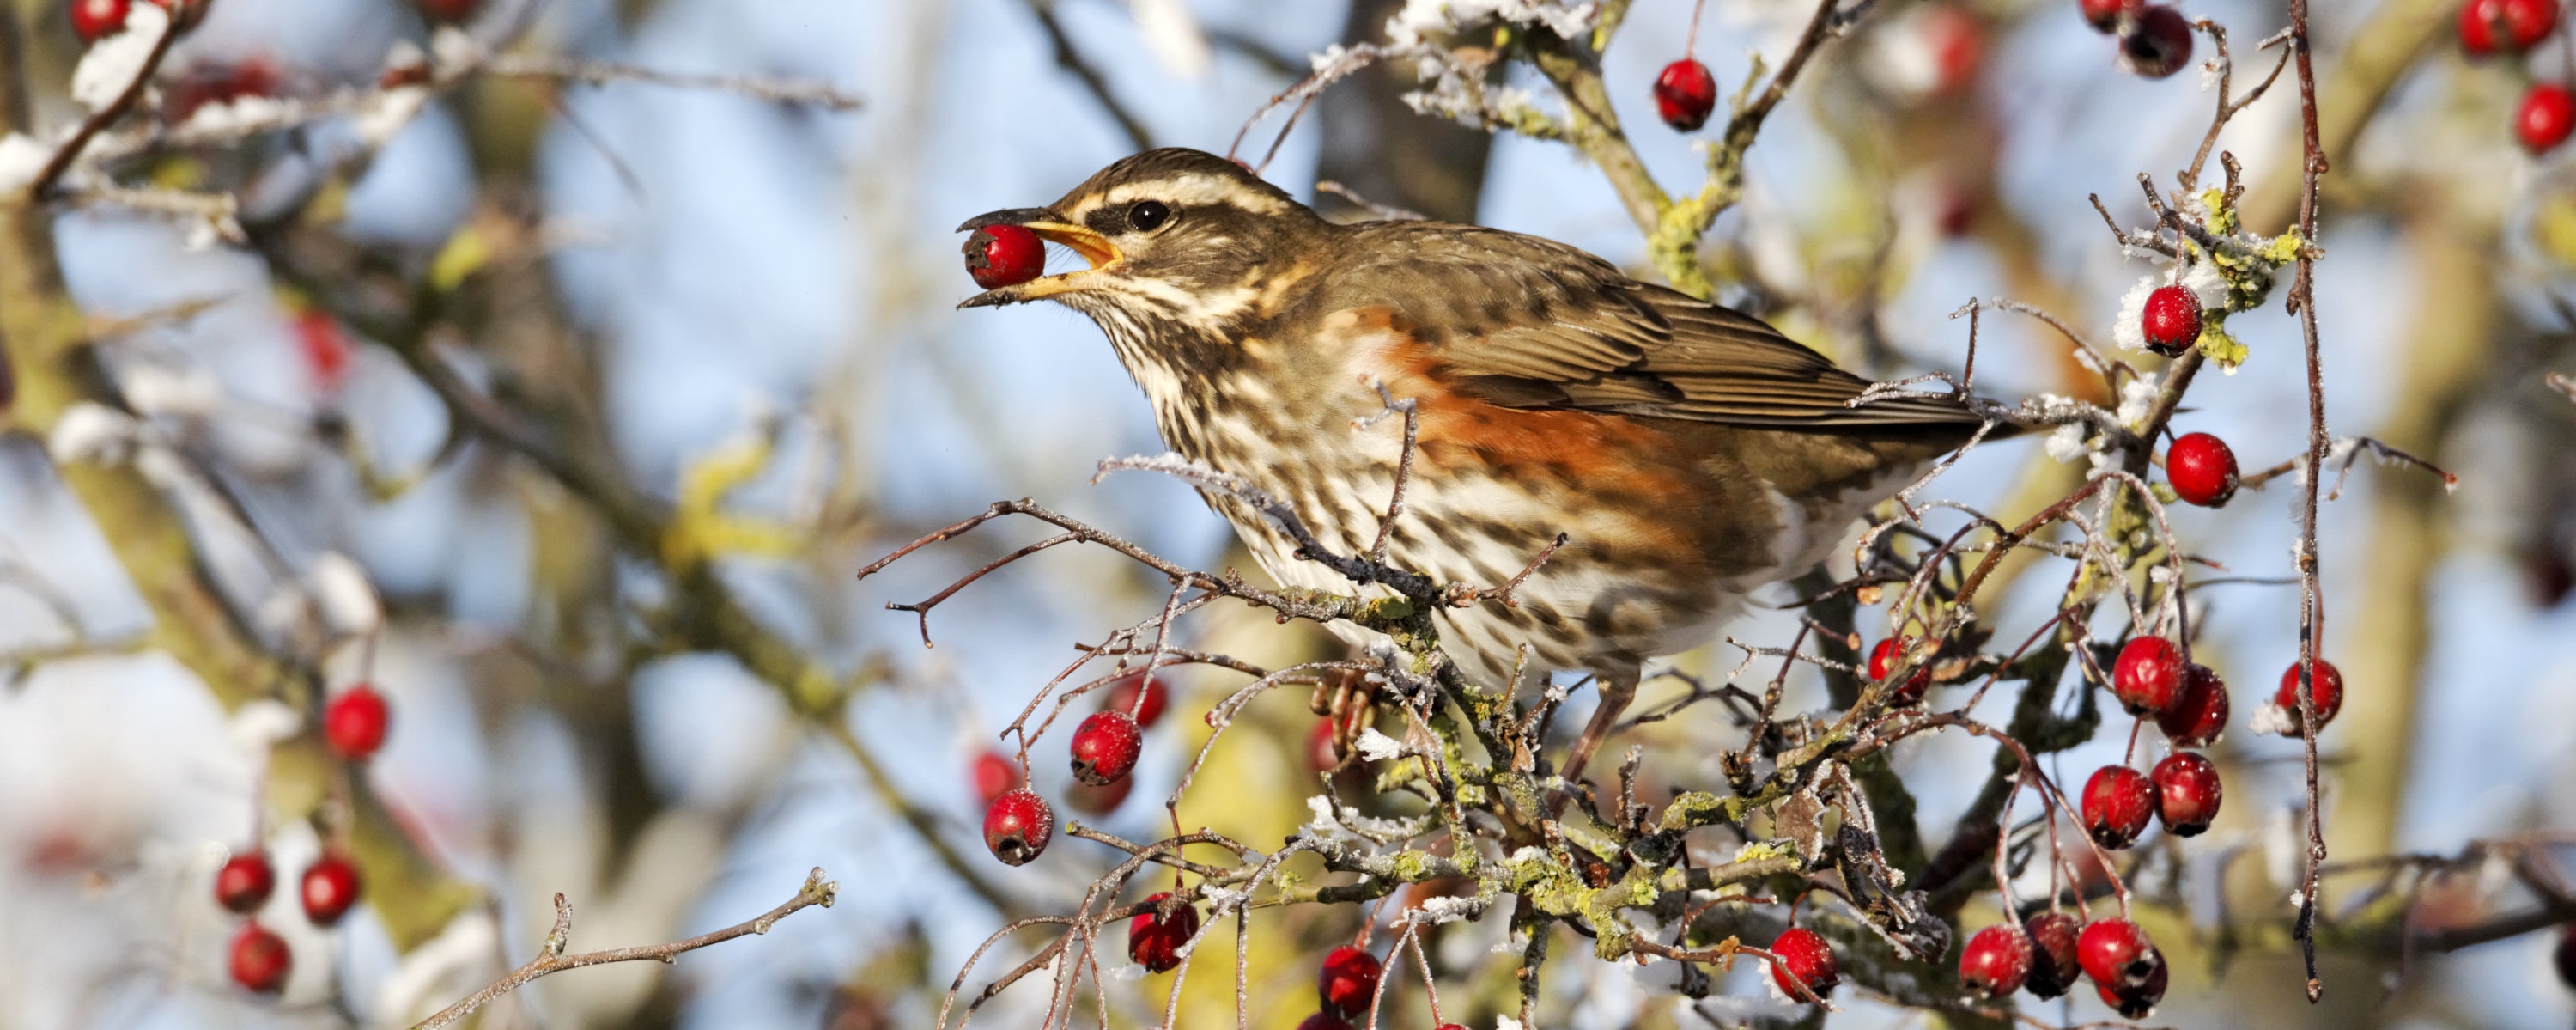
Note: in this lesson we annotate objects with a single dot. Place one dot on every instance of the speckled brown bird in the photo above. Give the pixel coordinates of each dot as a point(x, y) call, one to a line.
point(1690, 454)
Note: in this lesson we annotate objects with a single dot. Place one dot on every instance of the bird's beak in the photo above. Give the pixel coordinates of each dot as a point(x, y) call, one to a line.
point(1094, 248)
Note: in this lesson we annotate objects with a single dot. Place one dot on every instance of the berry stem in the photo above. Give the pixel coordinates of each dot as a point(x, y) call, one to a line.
point(1690, 42)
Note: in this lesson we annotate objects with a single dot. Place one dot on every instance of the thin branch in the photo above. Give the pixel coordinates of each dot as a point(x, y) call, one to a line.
point(802, 92)
point(1071, 60)
point(551, 958)
point(98, 121)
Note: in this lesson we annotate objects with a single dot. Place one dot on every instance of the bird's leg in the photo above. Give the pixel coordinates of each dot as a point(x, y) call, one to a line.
point(1616, 691)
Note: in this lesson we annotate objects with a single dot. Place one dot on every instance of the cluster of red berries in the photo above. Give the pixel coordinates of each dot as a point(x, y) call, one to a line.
point(2547, 115)
point(1018, 823)
point(2048, 952)
point(2155, 40)
point(353, 727)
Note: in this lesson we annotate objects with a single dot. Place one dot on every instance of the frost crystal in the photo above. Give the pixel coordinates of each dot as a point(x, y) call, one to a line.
point(2065, 444)
point(112, 64)
point(340, 590)
point(2206, 285)
point(1376, 746)
point(1425, 17)
point(90, 433)
point(2126, 330)
point(2137, 396)
point(162, 390)
point(21, 160)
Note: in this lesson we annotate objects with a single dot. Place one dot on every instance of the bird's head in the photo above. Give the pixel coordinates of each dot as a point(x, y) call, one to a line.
point(1172, 237)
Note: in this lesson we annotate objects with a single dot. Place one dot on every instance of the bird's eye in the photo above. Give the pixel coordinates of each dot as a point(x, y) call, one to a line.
point(1148, 215)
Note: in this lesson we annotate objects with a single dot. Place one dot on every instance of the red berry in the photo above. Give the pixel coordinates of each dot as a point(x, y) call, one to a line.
point(2525, 22)
point(2115, 953)
point(1018, 826)
point(1805, 955)
point(260, 959)
point(94, 20)
point(1958, 45)
point(1347, 984)
point(244, 883)
point(2200, 714)
point(324, 347)
point(354, 723)
point(1122, 698)
point(1105, 748)
point(1451, 1026)
point(2138, 1000)
point(1884, 659)
point(2117, 804)
point(2148, 675)
point(447, 12)
point(2170, 320)
point(1684, 95)
point(1996, 961)
point(1004, 255)
point(1324, 1021)
point(1154, 941)
point(2201, 469)
point(2326, 692)
point(330, 887)
point(1100, 800)
point(2052, 954)
point(2187, 793)
point(2157, 42)
point(2104, 15)
point(995, 775)
point(2547, 116)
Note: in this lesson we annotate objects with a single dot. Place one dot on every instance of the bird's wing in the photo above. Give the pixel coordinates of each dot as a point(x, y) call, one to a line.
point(1525, 322)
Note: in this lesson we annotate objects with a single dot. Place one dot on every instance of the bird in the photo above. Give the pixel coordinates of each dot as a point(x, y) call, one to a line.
point(1689, 454)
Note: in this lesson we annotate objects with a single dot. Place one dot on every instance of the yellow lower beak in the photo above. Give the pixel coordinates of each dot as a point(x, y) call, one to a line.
point(1096, 250)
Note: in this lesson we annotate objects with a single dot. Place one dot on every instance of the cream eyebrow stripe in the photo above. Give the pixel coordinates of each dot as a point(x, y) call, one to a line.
point(1192, 191)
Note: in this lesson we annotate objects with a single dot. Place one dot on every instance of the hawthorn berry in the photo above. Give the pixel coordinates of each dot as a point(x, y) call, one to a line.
point(2053, 969)
point(329, 889)
point(1324, 1021)
point(1996, 961)
point(1957, 43)
point(2170, 320)
point(1684, 94)
point(2115, 953)
point(2156, 42)
point(2525, 22)
point(1105, 748)
point(1122, 698)
point(94, 20)
point(2147, 677)
point(260, 959)
point(2202, 469)
point(1101, 800)
point(1884, 658)
point(1805, 955)
point(354, 723)
point(2326, 692)
point(1154, 940)
point(2138, 1000)
point(2546, 118)
point(2104, 15)
point(995, 775)
point(2199, 715)
point(1018, 826)
point(1347, 983)
point(1004, 255)
point(2187, 793)
point(447, 12)
point(245, 882)
point(2118, 801)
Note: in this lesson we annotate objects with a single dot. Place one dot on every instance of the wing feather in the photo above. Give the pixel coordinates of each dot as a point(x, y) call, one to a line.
point(1525, 322)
